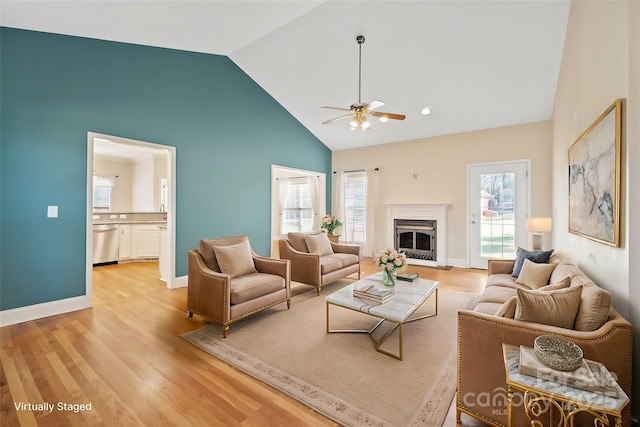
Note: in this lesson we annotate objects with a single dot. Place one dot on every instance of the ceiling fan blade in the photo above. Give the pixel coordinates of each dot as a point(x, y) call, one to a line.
point(337, 118)
point(336, 108)
point(374, 104)
point(388, 115)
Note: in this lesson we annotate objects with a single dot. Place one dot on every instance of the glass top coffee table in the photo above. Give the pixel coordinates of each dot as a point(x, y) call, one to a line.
point(408, 297)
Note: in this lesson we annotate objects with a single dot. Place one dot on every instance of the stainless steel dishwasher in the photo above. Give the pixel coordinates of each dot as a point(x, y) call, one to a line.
point(105, 243)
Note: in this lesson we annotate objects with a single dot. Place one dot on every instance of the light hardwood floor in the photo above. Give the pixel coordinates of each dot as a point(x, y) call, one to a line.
point(125, 358)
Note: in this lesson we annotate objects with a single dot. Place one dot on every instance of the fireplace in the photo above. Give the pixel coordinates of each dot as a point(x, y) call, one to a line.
point(416, 238)
point(430, 244)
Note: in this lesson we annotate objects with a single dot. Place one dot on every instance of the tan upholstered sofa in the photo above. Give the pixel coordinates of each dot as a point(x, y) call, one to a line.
point(228, 281)
point(602, 333)
point(316, 261)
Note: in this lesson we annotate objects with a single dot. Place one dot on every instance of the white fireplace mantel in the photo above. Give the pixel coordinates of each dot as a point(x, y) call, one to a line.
point(423, 211)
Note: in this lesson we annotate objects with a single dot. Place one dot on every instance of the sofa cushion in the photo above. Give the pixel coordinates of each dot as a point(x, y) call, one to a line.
point(251, 286)
point(564, 283)
point(505, 280)
point(497, 294)
point(534, 275)
point(487, 307)
point(318, 244)
point(235, 260)
point(205, 248)
point(540, 257)
point(554, 308)
point(298, 242)
point(346, 259)
point(594, 308)
point(508, 309)
point(329, 263)
point(563, 270)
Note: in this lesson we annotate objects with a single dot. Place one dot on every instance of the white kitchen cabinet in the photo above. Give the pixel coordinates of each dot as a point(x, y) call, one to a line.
point(146, 240)
point(124, 242)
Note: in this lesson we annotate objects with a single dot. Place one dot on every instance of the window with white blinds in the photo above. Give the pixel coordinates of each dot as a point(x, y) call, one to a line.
point(355, 206)
point(298, 206)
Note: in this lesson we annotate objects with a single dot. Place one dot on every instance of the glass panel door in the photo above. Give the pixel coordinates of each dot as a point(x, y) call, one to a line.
point(497, 207)
point(497, 220)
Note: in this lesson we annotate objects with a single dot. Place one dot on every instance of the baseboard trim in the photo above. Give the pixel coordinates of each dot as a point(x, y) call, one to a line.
point(458, 262)
point(180, 282)
point(45, 309)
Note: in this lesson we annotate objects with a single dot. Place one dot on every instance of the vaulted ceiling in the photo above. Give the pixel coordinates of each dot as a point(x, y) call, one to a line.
point(476, 64)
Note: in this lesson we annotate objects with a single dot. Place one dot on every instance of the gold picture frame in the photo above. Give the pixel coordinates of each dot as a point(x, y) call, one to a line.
point(594, 179)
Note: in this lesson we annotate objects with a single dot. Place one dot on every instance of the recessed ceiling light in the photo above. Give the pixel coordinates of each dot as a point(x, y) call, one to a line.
point(425, 111)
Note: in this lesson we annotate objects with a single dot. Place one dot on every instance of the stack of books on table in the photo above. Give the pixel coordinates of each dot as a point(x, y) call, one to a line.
point(371, 293)
point(408, 277)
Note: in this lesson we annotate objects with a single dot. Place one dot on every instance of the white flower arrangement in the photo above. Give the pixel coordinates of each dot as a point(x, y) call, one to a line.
point(390, 260)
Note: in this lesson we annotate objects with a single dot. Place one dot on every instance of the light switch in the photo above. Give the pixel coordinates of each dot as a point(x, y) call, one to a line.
point(52, 212)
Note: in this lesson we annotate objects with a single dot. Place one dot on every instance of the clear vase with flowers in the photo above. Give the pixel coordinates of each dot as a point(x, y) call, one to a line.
point(390, 260)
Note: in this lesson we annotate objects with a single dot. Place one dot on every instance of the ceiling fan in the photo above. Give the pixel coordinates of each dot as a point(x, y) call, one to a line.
point(358, 112)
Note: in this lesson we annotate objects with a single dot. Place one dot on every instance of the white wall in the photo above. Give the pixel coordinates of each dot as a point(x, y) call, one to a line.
point(442, 163)
point(142, 186)
point(601, 63)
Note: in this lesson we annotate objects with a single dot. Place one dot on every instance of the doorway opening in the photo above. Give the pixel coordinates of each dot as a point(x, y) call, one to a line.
point(117, 200)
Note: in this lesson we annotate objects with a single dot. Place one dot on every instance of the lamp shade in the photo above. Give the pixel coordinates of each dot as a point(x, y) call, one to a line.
point(539, 225)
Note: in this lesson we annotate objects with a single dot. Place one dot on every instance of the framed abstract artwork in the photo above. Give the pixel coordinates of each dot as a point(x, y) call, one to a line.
point(594, 179)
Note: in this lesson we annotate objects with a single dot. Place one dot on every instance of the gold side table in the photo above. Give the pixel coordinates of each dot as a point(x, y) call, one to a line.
point(541, 395)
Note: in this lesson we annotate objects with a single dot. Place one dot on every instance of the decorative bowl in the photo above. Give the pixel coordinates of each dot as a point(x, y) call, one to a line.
point(558, 353)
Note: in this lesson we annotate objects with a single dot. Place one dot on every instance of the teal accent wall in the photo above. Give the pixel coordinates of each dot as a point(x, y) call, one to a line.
point(54, 89)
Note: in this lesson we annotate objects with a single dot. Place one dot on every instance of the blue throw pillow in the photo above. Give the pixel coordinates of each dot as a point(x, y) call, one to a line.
point(540, 257)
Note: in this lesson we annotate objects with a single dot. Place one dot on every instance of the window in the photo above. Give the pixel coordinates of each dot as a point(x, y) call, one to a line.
point(298, 206)
point(355, 206)
point(102, 189)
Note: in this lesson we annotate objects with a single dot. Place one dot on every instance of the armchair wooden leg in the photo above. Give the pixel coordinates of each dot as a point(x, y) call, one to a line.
point(318, 291)
point(190, 313)
point(225, 331)
point(288, 303)
point(458, 421)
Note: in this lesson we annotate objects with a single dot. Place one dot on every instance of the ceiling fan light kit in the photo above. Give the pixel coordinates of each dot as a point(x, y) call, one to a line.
point(359, 111)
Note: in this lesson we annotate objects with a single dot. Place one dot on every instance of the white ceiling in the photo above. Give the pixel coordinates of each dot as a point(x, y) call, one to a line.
point(124, 150)
point(477, 64)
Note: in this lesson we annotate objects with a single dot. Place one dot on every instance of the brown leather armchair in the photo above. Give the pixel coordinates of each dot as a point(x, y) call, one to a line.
point(315, 266)
point(228, 281)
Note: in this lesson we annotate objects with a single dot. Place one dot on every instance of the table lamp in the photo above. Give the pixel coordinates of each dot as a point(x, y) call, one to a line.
point(536, 227)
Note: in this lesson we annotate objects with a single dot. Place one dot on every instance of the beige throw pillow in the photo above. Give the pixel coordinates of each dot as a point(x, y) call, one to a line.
point(594, 308)
point(508, 309)
point(318, 244)
point(534, 275)
point(562, 284)
point(554, 308)
point(235, 260)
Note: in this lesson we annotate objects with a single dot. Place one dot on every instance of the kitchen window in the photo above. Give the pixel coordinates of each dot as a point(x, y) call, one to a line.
point(102, 190)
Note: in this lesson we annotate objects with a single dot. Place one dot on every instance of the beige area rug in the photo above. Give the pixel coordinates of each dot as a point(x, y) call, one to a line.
point(341, 375)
